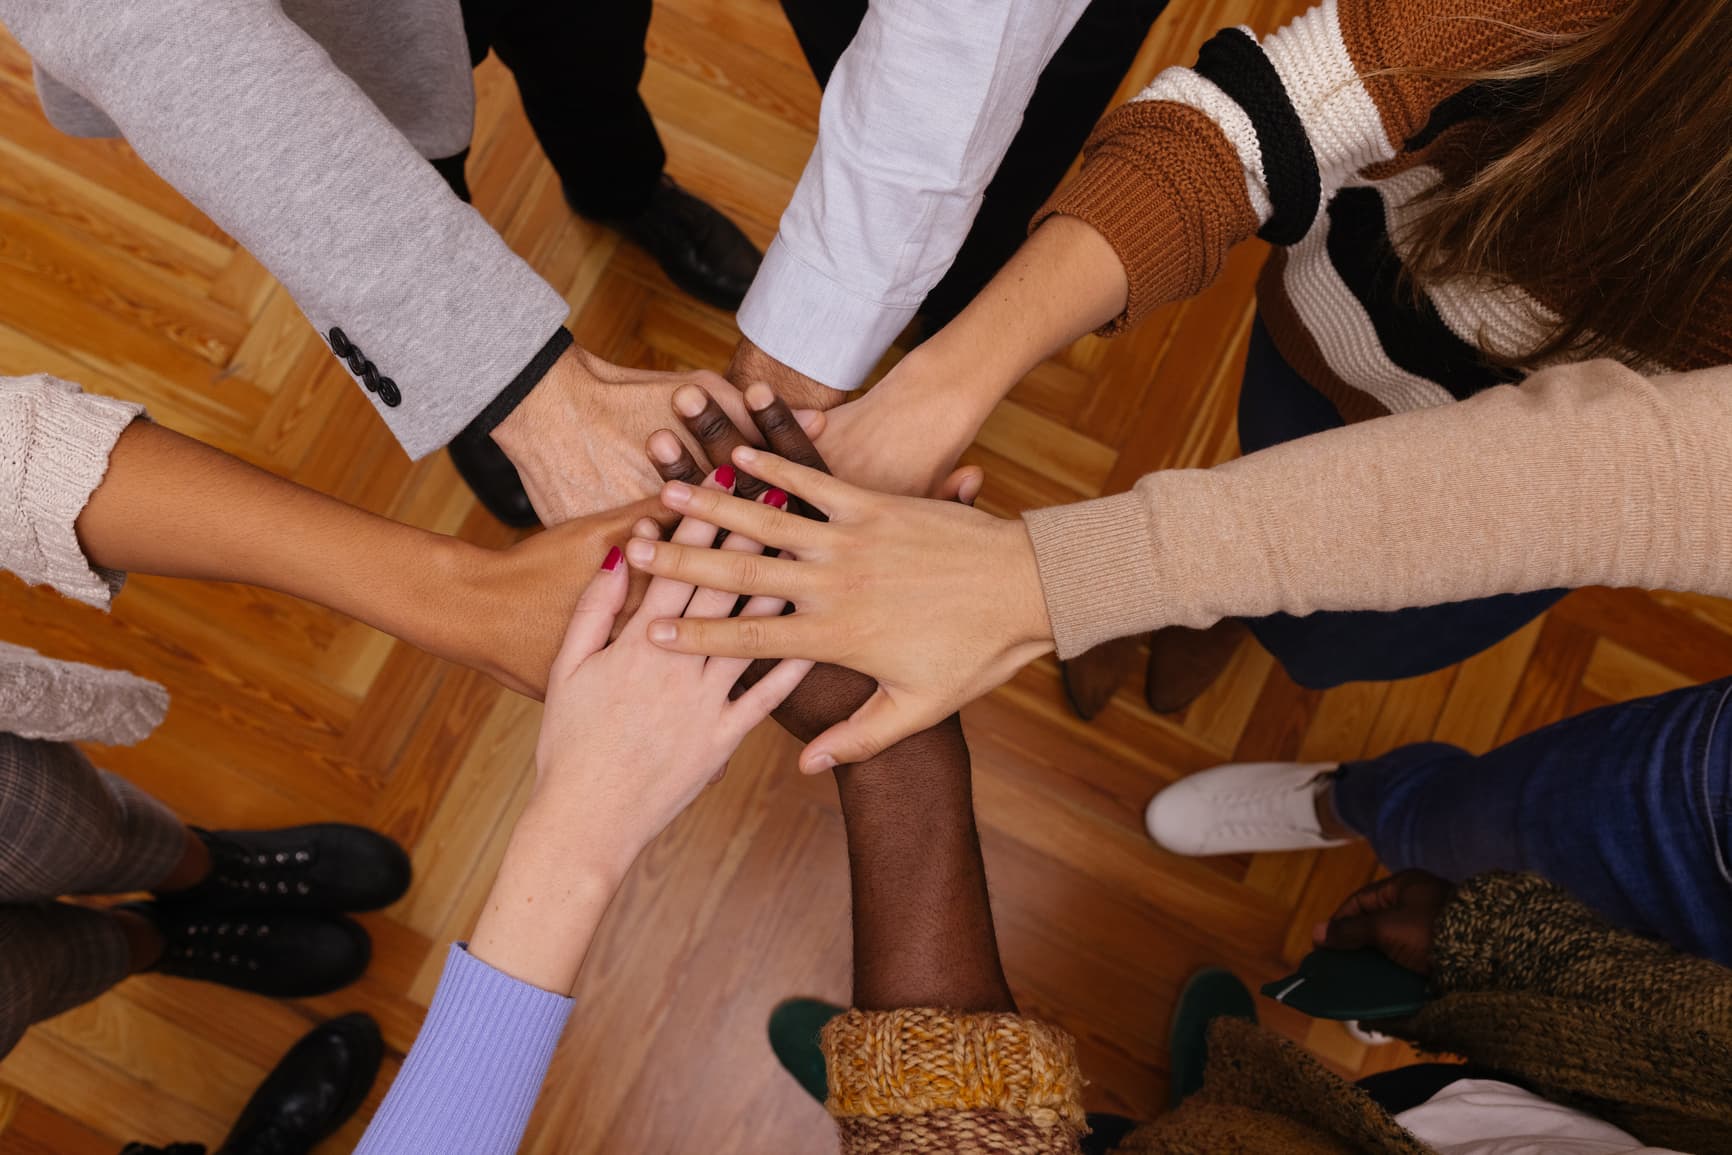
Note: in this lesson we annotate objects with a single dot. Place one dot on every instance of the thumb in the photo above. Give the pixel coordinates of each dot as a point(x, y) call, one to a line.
point(963, 485)
point(813, 421)
point(592, 620)
point(1351, 932)
point(878, 724)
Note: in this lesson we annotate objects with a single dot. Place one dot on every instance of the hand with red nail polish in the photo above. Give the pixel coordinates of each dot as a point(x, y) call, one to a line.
point(631, 734)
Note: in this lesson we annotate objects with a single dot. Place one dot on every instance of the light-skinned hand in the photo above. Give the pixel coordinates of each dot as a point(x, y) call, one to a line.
point(938, 602)
point(577, 438)
point(631, 734)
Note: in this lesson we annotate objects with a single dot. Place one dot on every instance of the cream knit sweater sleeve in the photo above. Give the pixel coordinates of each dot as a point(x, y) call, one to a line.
point(54, 447)
point(1585, 474)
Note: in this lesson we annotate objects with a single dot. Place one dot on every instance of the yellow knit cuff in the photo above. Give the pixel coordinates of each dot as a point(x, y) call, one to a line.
point(918, 1060)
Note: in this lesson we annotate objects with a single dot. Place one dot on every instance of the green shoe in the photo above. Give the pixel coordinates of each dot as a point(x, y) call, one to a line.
point(1208, 995)
point(794, 1027)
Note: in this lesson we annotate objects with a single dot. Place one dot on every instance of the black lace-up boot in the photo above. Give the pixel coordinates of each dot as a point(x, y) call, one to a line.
point(325, 867)
point(284, 954)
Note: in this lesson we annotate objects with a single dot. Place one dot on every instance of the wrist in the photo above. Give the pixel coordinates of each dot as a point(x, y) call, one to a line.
point(543, 908)
point(593, 844)
point(751, 365)
point(1026, 617)
point(546, 406)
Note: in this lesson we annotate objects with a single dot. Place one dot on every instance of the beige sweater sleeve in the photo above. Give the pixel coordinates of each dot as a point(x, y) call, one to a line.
point(1585, 474)
point(54, 447)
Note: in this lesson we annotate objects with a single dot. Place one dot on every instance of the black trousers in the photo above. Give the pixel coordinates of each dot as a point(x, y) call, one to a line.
point(578, 64)
point(1073, 93)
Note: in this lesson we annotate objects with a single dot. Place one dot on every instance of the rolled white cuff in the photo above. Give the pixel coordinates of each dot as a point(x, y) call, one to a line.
point(813, 324)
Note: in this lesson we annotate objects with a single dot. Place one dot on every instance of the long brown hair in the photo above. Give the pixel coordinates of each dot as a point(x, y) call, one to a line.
point(1608, 193)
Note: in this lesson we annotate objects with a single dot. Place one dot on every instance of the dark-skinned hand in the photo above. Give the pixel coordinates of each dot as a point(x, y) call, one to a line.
point(1397, 915)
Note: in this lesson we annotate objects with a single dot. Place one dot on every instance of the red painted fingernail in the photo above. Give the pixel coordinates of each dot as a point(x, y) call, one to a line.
point(776, 498)
point(612, 562)
point(725, 477)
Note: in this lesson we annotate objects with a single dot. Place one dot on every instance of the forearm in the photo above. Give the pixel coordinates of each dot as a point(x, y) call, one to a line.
point(1585, 475)
point(548, 898)
point(1065, 282)
point(175, 507)
point(915, 120)
point(923, 931)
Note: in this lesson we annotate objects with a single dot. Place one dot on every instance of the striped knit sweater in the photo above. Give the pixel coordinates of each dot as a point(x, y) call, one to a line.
point(1318, 139)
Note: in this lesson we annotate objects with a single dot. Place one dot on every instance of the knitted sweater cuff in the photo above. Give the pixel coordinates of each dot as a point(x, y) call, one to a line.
point(920, 1061)
point(1096, 570)
point(1164, 187)
point(58, 440)
point(1503, 931)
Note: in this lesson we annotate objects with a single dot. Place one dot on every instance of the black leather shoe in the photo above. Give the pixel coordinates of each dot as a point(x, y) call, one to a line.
point(284, 954)
point(311, 1092)
point(700, 250)
point(325, 867)
point(488, 473)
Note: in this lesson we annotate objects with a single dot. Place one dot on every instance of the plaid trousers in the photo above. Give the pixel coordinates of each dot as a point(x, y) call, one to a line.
point(67, 828)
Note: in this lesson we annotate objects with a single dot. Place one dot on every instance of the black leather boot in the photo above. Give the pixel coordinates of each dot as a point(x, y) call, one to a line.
point(284, 955)
point(324, 867)
point(311, 1092)
point(701, 251)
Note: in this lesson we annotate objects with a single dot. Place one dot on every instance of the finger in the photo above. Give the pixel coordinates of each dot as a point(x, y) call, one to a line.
point(731, 571)
point(742, 637)
point(1351, 933)
point(733, 671)
point(672, 459)
point(592, 619)
point(1375, 896)
point(668, 595)
point(767, 521)
point(875, 727)
point(783, 434)
point(813, 421)
point(647, 527)
point(710, 602)
point(818, 489)
point(963, 486)
point(715, 431)
point(769, 692)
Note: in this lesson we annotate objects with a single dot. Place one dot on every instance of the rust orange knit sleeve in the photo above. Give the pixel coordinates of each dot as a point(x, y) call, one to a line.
point(1162, 184)
point(919, 1079)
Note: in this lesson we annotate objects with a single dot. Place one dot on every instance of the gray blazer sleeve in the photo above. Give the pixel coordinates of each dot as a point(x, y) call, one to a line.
point(245, 114)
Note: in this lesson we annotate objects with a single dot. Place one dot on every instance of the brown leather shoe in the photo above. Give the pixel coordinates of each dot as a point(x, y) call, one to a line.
point(1092, 678)
point(1185, 662)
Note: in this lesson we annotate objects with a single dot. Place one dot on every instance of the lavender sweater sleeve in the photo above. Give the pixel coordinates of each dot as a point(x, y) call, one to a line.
point(473, 1075)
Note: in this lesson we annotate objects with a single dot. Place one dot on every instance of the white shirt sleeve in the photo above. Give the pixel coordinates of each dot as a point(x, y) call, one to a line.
point(917, 116)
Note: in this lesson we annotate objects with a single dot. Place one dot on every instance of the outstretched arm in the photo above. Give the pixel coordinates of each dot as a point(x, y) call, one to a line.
point(631, 735)
point(928, 985)
point(86, 484)
point(449, 332)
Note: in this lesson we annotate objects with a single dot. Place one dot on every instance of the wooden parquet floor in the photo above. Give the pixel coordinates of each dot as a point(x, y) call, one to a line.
point(284, 713)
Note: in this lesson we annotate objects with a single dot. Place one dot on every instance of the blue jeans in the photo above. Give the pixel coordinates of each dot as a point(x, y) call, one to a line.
point(1326, 649)
point(1628, 807)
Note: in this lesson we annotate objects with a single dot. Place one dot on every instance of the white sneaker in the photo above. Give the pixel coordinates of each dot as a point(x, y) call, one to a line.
point(1241, 808)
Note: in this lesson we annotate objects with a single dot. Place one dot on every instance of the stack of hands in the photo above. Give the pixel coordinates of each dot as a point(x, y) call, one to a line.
point(636, 724)
point(697, 615)
point(893, 538)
